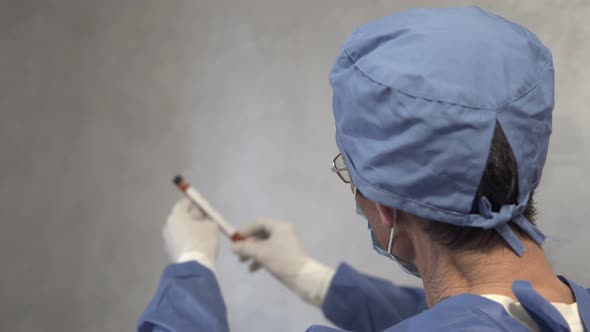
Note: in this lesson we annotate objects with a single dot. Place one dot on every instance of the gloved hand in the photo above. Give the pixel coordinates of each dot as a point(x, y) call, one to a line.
point(275, 246)
point(189, 235)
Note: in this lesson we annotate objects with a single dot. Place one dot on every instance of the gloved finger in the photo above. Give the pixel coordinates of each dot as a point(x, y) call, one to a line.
point(182, 206)
point(179, 209)
point(196, 213)
point(246, 248)
point(261, 228)
point(255, 266)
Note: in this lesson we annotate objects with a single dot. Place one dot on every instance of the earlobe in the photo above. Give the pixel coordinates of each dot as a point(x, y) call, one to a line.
point(386, 215)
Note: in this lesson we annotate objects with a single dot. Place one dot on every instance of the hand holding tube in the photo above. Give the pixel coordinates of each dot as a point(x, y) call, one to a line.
point(189, 235)
point(276, 246)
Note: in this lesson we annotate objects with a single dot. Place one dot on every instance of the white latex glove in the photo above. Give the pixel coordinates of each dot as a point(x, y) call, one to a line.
point(189, 235)
point(276, 246)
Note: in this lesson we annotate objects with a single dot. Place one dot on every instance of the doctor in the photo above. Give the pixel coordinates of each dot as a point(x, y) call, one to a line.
point(443, 118)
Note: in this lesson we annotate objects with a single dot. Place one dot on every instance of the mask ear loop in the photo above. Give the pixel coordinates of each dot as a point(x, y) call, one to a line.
point(391, 233)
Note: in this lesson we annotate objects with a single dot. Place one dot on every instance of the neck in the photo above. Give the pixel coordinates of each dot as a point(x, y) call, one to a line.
point(492, 272)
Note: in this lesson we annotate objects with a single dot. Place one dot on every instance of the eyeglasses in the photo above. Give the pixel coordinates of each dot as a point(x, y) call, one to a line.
point(339, 167)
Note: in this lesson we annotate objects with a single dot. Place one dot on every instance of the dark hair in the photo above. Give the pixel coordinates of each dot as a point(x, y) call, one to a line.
point(499, 183)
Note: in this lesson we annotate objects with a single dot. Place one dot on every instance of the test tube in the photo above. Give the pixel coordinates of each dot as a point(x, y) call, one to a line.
point(201, 203)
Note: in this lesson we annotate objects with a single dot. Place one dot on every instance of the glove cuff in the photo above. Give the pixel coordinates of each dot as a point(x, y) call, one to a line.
point(197, 256)
point(313, 281)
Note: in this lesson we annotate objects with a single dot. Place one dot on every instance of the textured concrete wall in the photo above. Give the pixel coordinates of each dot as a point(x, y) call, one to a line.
point(103, 101)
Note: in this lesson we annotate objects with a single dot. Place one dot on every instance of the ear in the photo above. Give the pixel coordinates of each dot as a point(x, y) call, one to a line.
point(385, 215)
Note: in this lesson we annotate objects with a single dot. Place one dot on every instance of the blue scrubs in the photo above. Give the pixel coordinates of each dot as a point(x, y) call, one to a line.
point(189, 299)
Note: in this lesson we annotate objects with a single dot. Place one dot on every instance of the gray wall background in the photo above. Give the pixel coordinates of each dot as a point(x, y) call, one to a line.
point(102, 102)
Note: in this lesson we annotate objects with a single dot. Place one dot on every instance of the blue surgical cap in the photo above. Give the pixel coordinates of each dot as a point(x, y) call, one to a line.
point(417, 97)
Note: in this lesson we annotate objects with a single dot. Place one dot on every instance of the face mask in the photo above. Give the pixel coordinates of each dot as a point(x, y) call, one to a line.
point(407, 267)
